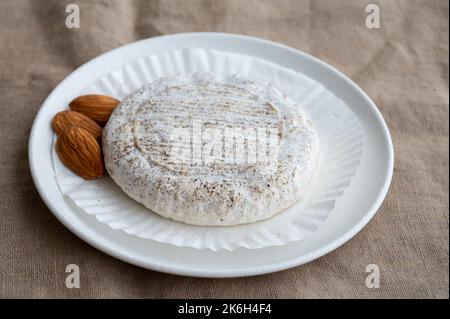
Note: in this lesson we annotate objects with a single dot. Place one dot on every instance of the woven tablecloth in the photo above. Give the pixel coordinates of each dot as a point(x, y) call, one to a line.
point(403, 66)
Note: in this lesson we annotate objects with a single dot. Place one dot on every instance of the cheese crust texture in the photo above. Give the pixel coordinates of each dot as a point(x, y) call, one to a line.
point(209, 150)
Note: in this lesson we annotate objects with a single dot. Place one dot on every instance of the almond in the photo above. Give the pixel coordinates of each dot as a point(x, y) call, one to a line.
point(66, 118)
point(96, 107)
point(80, 152)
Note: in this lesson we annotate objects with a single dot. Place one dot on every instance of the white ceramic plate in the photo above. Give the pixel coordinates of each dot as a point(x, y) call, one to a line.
point(352, 212)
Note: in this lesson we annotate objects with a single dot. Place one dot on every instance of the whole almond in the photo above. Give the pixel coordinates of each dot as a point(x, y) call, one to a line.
point(80, 152)
point(66, 118)
point(96, 107)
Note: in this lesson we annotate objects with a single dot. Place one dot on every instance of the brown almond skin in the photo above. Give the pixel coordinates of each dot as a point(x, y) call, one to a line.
point(80, 152)
point(96, 107)
point(66, 118)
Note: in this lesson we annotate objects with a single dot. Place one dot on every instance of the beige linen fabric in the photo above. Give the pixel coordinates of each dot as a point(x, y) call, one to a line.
point(403, 66)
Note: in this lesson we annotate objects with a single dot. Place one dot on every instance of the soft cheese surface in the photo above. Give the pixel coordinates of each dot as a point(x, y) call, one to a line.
point(210, 150)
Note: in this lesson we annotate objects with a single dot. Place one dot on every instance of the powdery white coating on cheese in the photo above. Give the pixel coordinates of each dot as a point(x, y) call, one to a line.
point(138, 140)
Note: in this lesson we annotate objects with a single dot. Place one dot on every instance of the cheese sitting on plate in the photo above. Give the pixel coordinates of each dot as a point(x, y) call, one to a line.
point(210, 150)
